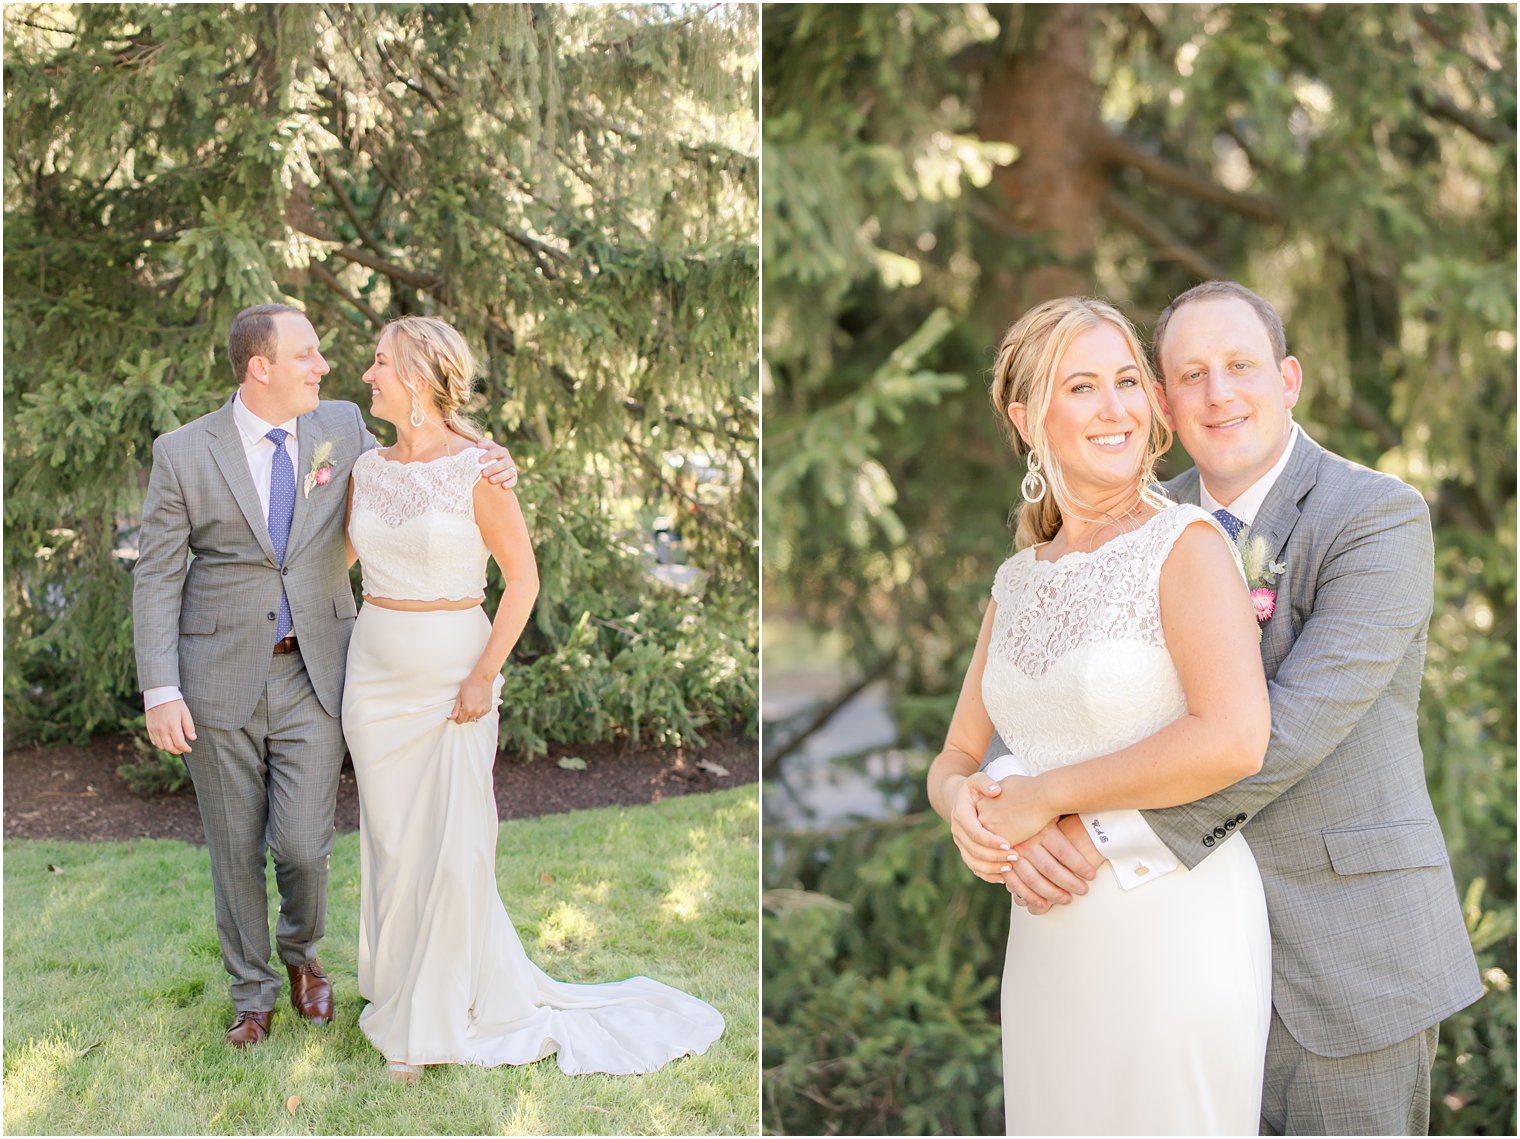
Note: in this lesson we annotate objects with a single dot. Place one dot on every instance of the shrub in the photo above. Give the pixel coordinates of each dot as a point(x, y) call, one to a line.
point(882, 960)
point(881, 966)
point(154, 772)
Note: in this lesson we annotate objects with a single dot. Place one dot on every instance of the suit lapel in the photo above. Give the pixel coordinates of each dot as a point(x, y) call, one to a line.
point(227, 452)
point(308, 432)
point(1183, 488)
point(1279, 511)
point(1274, 524)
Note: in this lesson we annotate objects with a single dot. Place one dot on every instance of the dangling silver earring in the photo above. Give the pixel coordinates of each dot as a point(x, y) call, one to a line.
point(417, 418)
point(1033, 486)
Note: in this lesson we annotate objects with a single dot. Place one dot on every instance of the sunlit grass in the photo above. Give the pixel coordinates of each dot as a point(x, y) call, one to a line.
point(116, 1000)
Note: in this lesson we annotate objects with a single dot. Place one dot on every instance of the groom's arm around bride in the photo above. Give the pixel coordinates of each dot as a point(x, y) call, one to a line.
point(1370, 951)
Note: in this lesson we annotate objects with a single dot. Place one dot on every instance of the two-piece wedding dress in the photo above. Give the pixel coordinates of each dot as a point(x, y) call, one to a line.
point(446, 976)
point(1127, 1012)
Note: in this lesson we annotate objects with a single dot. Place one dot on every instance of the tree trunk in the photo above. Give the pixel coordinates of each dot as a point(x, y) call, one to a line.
point(1040, 97)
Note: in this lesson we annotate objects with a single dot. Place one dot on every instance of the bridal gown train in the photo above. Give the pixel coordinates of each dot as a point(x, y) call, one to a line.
point(1127, 1012)
point(445, 973)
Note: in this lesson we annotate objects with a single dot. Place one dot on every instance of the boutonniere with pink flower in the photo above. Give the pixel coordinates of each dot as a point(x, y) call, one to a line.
point(1261, 574)
point(321, 472)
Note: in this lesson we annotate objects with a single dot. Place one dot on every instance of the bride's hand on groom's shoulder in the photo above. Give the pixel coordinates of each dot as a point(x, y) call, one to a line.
point(497, 466)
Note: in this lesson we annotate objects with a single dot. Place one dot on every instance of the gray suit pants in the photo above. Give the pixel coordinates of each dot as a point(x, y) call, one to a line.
point(271, 787)
point(1386, 1092)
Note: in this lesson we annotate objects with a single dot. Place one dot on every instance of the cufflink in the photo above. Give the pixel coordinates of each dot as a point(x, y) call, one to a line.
point(1142, 870)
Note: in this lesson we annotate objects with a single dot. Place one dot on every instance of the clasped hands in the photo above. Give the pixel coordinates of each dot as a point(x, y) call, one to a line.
point(1007, 837)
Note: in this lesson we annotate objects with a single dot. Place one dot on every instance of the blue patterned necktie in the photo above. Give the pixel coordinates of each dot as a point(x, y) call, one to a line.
point(282, 507)
point(1232, 525)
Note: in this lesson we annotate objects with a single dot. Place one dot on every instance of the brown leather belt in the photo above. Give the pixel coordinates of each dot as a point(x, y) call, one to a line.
point(287, 644)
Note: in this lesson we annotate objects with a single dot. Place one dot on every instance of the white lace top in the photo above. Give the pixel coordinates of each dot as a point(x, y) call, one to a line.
point(414, 527)
point(1077, 665)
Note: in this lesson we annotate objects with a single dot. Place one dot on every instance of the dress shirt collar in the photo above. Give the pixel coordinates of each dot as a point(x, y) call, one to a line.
point(1249, 501)
point(254, 429)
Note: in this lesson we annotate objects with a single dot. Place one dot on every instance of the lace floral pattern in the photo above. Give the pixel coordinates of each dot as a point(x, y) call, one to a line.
point(399, 492)
point(413, 525)
point(1077, 665)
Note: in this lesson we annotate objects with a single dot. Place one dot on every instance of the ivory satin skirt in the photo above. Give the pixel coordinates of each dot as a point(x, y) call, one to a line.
point(1144, 1011)
point(445, 973)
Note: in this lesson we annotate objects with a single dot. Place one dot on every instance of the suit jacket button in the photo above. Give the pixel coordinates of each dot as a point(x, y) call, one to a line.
point(1229, 824)
point(1219, 832)
point(270, 616)
point(1240, 818)
point(285, 571)
point(1208, 840)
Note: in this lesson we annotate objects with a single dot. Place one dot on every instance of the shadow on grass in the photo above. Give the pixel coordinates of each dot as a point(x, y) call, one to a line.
point(116, 1000)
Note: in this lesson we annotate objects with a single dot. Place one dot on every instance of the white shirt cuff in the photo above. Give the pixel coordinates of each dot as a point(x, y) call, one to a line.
point(1005, 766)
point(1134, 853)
point(153, 697)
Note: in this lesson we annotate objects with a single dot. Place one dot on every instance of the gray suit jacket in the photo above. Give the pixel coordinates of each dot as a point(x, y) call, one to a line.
point(1368, 942)
point(208, 624)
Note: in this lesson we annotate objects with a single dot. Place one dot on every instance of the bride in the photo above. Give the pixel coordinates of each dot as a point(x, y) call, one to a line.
point(443, 969)
point(1118, 661)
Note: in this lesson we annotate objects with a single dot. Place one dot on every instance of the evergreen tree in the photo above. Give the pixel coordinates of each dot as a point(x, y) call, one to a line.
point(932, 171)
point(575, 188)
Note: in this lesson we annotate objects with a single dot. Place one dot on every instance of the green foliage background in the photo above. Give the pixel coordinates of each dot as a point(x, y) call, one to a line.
point(575, 188)
point(1356, 165)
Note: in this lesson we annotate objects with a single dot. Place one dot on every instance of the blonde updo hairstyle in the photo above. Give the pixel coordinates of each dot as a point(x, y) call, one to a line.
point(430, 355)
point(1025, 372)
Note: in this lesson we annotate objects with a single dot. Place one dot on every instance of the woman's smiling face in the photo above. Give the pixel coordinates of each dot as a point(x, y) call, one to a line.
point(390, 398)
point(1099, 419)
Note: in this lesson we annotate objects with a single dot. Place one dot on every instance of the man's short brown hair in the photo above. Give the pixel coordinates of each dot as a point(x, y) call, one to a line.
point(1222, 290)
point(252, 334)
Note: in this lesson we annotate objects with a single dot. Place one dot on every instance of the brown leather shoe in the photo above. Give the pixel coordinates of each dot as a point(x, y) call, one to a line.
point(310, 992)
point(249, 1028)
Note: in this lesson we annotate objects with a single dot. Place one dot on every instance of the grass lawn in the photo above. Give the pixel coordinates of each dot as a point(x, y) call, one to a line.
point(116, 999)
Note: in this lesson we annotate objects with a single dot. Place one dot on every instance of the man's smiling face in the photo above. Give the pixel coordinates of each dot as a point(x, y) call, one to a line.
point(1223, 393)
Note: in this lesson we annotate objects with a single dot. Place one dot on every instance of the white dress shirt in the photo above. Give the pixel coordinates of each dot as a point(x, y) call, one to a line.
point(258, 449)
point(1134, 852)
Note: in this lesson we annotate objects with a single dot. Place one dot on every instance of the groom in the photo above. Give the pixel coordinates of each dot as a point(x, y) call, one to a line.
point(242, 612)
point(1369, 949)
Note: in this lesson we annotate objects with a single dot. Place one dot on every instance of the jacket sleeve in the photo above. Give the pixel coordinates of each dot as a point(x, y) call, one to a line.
point(159, 576)
point(1372, 599)
point(367, 440)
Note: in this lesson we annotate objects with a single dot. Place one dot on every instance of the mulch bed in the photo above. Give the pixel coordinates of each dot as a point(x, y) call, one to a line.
point(74, 792)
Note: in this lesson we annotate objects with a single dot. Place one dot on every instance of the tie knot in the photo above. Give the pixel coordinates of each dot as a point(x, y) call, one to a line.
point(277, 436)
point(1232, 525)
